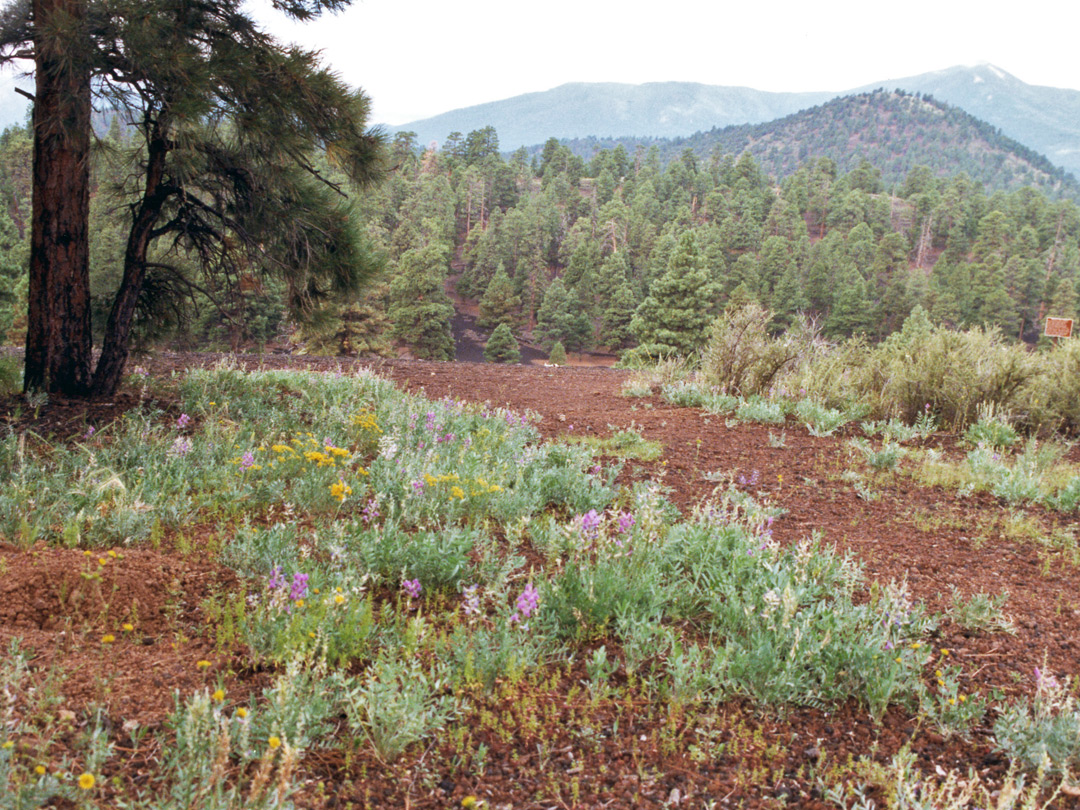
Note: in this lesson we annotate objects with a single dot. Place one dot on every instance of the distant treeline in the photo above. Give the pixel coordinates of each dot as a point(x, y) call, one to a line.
point(620, 251)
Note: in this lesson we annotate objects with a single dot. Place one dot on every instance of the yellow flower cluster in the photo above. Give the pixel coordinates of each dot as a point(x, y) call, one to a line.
point(340, 490)
point(365, 420)
point(317, 457)
point(435, 480)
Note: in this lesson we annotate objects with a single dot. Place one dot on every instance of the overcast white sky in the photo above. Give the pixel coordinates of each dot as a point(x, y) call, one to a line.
point(418, 58)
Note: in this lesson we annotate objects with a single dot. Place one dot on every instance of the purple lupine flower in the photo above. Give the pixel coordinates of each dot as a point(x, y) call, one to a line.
point(626, 522)
point(276, 579)
point(370, 512)
point(247, 461)
point(299, 586)
point(182, 421)
point(590, 524)
point(89, 432)
point(528, 601)
point(412, 588)
point(471, 601)
point(430, 422)
point(181, 446)
point(418, 485)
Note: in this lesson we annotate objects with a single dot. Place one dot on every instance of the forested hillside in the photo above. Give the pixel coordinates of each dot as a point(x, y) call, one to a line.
point(620, 251)
point(895, 131)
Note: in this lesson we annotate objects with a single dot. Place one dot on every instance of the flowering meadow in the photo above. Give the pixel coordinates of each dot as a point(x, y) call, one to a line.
point(419, 580)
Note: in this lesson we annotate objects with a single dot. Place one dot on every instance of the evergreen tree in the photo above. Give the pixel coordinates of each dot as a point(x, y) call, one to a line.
point(419, 306)
point(615, 321)
point(227, 122)
point(674, 318)
point(560, 318)
point(557, 356)
point(500, 304)
point(13, 278)
point(851, 312)
point(502, 347)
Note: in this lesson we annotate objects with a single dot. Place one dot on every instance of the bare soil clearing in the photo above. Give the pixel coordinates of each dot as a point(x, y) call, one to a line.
point(60, 603)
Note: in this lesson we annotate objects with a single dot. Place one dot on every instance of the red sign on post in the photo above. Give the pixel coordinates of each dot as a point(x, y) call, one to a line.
point(1059, 327)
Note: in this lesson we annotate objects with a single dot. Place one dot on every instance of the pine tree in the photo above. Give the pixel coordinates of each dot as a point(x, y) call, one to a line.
point(502, 347)
point(500, 305)
point(419, 306)
point(615, 321)
point(227, 121)
point(557, 356)
point(851, 312)
point(560, 318)
point(675, 317)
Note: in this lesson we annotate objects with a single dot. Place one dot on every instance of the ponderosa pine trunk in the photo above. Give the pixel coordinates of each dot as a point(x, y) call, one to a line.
point(58, 337)
point(114, 347)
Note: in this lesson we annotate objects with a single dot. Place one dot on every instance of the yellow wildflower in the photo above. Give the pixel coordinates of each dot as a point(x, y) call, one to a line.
point(241, 712)
point(204, 664)
point(274, 742)
point(40, 770)
point(127, 627)
point(339, 599)
point(457, 492)
point(219, 695)
point(86, 781)
point(340, 490)
point(108, 638)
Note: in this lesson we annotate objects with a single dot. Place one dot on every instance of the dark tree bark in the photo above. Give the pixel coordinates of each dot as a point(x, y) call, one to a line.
point(114, 349)
point(58, 340)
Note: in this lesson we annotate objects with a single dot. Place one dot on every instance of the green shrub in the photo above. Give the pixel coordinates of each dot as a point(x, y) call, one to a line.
point(742, 358)
point(502, 347)
point(557, 356)
point(10, 375)
point(1044, 732)
point(992, 430)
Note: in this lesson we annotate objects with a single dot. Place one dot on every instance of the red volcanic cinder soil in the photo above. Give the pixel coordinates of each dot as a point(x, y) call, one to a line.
point(931, 538)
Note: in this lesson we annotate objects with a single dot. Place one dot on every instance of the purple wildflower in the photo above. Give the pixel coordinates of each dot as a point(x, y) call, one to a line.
point(430, 422)
point(626, 522)
point(89, 432)
point(182, 421)
point(181, 446)
point(412, 588)
point(590, 524)
point(276, 579)
point(418, 485)
point(247, 461)
point(528, 601)
point(299, 586)
point(471, 598)
point(370, 512)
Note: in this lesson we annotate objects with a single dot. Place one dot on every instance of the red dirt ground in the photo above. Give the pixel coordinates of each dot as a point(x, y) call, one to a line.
point(932, 538)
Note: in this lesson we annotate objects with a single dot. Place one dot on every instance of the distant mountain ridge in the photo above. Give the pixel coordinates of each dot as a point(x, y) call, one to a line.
point(893, 131)
point(1045, 119)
